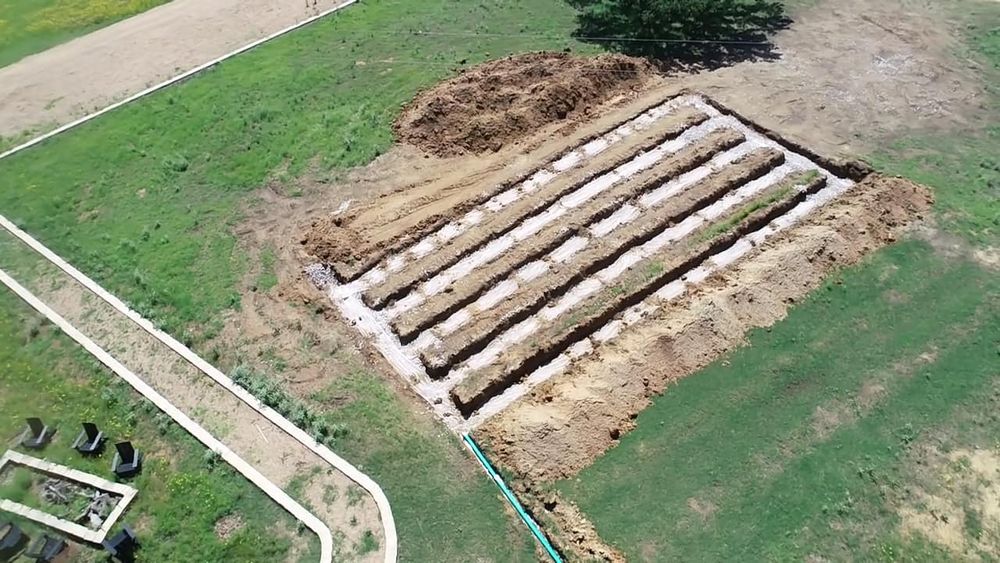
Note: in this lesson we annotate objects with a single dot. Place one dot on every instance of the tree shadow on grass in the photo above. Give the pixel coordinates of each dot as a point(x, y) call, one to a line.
point(683, 35)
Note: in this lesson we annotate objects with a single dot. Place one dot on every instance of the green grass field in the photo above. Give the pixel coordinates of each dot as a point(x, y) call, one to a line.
point(182, 492)
point(823, 439)
point(32, 26)
point(143, 200)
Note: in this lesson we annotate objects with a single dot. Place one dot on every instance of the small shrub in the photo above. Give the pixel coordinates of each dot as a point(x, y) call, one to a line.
point(211, 458)
point(176, 163)
point(368, 543)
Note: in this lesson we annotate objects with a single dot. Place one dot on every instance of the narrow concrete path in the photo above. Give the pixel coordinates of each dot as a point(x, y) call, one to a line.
point(69, 81)
point(283, 454)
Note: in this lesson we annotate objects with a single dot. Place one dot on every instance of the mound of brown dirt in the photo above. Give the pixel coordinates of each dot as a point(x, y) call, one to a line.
point(493, 104)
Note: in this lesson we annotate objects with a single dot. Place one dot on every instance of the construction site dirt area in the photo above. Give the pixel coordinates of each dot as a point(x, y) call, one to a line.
point(546, 300)
point(530, 257)
point(496, 311)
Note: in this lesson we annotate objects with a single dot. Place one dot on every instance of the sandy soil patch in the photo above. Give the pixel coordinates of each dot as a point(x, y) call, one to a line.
point(962, 513)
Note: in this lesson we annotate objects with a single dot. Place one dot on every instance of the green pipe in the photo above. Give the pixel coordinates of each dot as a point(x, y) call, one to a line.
point(525, 517)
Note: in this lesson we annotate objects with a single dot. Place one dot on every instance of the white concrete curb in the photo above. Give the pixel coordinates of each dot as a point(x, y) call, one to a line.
point(203, 436)
point(385, 511)
point(170, 81)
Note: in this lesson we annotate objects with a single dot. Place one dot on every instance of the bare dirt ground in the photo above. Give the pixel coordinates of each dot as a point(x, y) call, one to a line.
point(564, 424)
point(573, 418)
point(853, 73)
point(958, 479)
point(73, 79)
point(275, 454)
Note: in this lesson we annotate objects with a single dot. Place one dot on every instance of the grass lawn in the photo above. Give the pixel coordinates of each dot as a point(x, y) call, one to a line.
point(32, 26)
point(839, 433)
point(143, 200)
point(182, 491)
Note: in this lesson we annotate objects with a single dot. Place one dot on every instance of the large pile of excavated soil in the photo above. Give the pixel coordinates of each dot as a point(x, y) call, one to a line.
point(496, 103)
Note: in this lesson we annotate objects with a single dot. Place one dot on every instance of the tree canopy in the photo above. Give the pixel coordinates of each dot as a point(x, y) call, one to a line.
point(668, 28)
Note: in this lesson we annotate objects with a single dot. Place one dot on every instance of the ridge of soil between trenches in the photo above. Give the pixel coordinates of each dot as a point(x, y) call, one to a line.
point(466, 290)
point(554, 338)
point(472, 337)
point(501, 101)
point(563, 425)
point(507, 219)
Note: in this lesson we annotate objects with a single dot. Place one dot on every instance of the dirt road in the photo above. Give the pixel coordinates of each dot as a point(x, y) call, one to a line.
point(68, 81)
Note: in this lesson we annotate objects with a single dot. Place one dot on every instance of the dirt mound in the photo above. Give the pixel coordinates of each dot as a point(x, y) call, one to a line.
point(493, 104)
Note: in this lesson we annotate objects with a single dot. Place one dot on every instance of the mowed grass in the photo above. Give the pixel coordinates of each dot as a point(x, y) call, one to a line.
point(32, 26)
point(144, 200)
point(182, 491)
point(801, 443)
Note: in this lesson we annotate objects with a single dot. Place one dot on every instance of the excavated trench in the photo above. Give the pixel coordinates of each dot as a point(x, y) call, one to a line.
point(491, 303)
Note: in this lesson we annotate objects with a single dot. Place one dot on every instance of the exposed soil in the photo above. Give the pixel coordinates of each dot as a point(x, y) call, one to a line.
point(852, 75)
point(566, 423)
point(502, 101)
point(471, 337)
point(438, 307)
point(504, 221)
point(637, 284)
point(228, 525)
point(965, 481)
